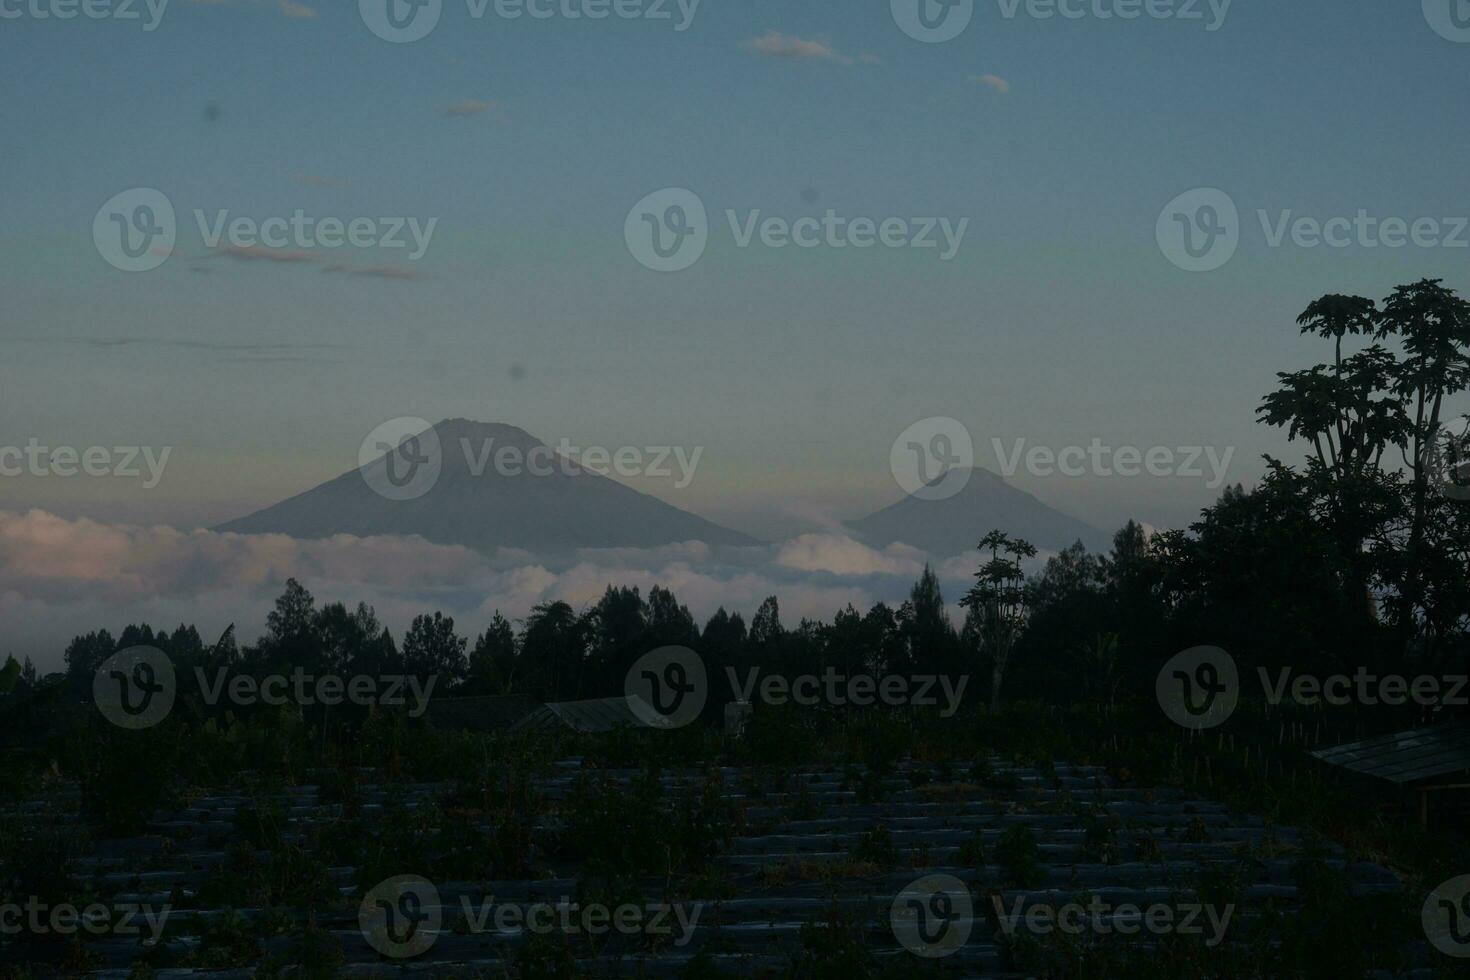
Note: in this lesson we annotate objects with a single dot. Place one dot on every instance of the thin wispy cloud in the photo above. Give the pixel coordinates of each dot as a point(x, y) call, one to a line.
point(471, 107)
point(295, 10)
point(396, 272)
point(774, 44)
point(262, 253)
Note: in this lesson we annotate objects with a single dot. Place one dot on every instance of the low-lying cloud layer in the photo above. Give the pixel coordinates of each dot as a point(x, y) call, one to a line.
point(60, 577)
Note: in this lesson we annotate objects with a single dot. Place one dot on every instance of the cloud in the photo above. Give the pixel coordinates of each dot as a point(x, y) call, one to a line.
point(287, 256)
point(60, 576)
point(396, 272)
point(262, 253)
point(295, 10)
point(774, 44)
point(470, 107)
point(843, 556)
point(994, 82)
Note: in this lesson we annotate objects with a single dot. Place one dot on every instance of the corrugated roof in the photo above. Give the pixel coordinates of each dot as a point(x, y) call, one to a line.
point(598, 715)
point(1405, 757)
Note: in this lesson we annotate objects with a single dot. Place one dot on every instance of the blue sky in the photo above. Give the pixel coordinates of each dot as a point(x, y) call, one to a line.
point(1060, 320)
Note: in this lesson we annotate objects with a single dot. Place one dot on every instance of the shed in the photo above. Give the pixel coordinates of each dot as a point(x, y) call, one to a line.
point(597, 715)
point(1421, 760)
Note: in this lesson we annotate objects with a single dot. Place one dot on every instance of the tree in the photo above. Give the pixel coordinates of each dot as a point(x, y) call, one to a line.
point(1432, 324)
point(553, 651)
point(1004, 599)
point(431, 648)
point(765, 628)
point(929, 633)
point(493, 660)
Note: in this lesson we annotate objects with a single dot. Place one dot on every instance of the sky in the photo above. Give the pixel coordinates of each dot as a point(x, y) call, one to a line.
point(1058, 320)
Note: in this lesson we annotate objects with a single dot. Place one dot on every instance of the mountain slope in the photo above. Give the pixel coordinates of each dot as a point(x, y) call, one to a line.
point(954, 525)
point(485, 510)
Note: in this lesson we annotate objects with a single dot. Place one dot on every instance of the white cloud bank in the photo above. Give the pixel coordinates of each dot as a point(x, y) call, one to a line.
point(60, 577)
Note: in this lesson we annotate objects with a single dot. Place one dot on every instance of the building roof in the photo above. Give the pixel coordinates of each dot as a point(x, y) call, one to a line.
point(1408, 757)
point(598, 715)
